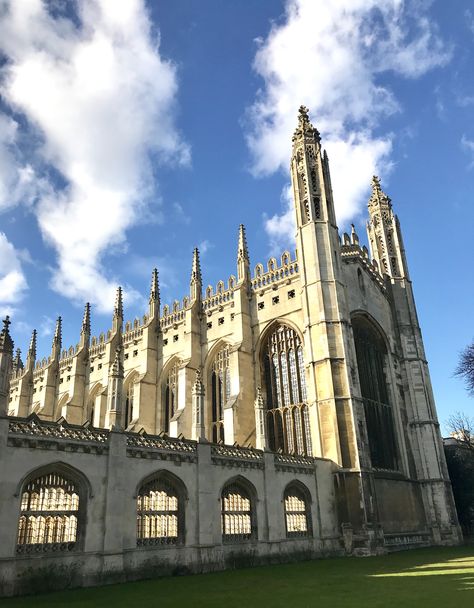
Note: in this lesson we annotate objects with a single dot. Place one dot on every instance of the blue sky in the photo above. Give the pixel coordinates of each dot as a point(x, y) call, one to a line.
point(131, 132)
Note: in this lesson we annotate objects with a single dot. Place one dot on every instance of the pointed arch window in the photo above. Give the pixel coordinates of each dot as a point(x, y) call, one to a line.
point(372, 362)
point(160, 513)
point(237, 514)
point(51, 514)
point(220, 392)
point(288, 426)
point(171, 395)
point(129, 397)
point(297, 512)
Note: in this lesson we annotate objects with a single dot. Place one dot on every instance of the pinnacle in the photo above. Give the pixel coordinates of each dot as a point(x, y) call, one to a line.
point(32, 348)
point(58, 332)
point(6, 343)
point(118, 308)
point(86, 319)
point(305, 128)
point(155, 287)
point(196, 271)
point(243, 252)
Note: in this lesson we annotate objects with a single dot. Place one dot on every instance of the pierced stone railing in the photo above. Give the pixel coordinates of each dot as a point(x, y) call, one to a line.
point(237, 453)
point(33, 426)
point(262, 280)
point(295, 459)
point(155, 442)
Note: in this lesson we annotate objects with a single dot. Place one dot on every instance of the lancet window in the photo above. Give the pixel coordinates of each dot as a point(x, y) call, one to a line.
point(284, 375)
point(297, 512)
point(371, 362)
point(129, 395)
point(220, 392)
point(50, 514)
point(160, 513)
point(171, 396)
point(237, 517)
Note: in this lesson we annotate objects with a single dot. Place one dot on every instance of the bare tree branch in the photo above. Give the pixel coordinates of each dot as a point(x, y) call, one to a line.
point(465, 368)
point(462, 428)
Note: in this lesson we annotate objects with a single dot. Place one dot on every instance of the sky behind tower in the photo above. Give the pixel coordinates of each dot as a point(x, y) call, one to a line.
point(132, 131)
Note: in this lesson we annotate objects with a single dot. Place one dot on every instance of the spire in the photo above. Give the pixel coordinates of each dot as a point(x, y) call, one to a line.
point(57, 339)
point(117, 320)
point(6, 342)
point(196, 279)
point(378, 196)
point(154, 295)
point(243, 261)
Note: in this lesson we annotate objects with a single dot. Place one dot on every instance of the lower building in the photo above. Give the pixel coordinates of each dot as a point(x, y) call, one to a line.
point(121, 456)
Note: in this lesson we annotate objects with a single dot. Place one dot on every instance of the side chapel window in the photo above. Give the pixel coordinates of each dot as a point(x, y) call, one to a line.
point(371, 360)
point(220, 392)
point(50, 514)
point(171, 396)
point(237, 517)
point(160, 513)
point(297, 512)
point(288, 426)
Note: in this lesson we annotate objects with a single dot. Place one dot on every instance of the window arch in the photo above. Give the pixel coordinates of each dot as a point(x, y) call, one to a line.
point(170, 395)
point(238, 522)
point(297, 503)
point(52, 512)
point(160, 511)
point(371, 354)
point(220, 392)
point(129, 399)
point(288, 426)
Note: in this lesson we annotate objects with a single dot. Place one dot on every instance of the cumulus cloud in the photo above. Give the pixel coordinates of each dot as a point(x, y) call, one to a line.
point(329, 56)
point(12, 280)
point(97, 105)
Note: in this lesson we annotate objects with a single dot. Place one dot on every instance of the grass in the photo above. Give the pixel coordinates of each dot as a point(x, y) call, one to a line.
point(424, 578)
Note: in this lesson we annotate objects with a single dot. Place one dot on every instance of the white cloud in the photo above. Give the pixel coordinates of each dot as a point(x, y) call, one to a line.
point(98, 99)
point(12, 280)
point(328, 56)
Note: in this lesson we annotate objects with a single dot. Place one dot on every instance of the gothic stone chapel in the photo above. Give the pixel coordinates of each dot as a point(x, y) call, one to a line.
point(287, 412)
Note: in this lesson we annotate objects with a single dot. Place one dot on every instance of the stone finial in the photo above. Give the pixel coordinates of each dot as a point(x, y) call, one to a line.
point(86, 320)
point(378, 196)
point(198, 386)
point(6, 342)
point(354, 235)
point(17, 362)
point(259, 401)
point(57, 338)
point(305, 128)
point(243, 261)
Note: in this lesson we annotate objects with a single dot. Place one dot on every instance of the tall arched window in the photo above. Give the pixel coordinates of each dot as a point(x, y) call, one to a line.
point(160, 512)
point(220, 392)
point(171, 395)
point(237, 515)
point(371, 362)
point(51, 514)
point(297, 511)
point(129, 395)
point(284, 375)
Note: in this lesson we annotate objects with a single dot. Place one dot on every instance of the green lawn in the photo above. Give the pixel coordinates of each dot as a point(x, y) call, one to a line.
point(424, 578)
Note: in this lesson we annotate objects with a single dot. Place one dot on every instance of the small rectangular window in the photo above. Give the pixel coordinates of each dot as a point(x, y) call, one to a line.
point(291, 294)
point(175, 338)
point(135, 353)
point(275, 300)
point(261, 305)
point(209, 325)
point(165, 341)
point(221, 321)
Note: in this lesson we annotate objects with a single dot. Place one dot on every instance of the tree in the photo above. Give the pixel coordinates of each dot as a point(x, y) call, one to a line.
point(462, 428)
point(465, 368)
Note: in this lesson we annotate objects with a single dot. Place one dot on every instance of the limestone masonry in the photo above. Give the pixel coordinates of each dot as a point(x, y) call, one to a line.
point(286, 413)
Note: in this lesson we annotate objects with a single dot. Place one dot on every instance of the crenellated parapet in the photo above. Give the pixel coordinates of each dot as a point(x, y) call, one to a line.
point(275, 273)
point(352, 250)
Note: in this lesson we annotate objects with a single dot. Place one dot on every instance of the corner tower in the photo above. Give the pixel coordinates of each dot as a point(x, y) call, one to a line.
point(323, 298)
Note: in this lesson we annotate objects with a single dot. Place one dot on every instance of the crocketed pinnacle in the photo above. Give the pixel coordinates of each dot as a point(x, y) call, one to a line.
point(86, 320)
point(196, 270)
point(57, 338)
point(378, 196)
point(305, 128)
point(118, 308)
point(155, 287)
point(32, 347)
point(242, 249)
point(6, 342)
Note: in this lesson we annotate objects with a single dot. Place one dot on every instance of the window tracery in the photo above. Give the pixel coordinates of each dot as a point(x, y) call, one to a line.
point(237, 518)
point(220, 392)
point(284, 374)
point(160, 513)
point(49, 514)
point(171, 395)
point(297, 513)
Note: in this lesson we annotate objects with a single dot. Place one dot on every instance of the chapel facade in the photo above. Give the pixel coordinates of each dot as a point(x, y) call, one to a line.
point(308, 374)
